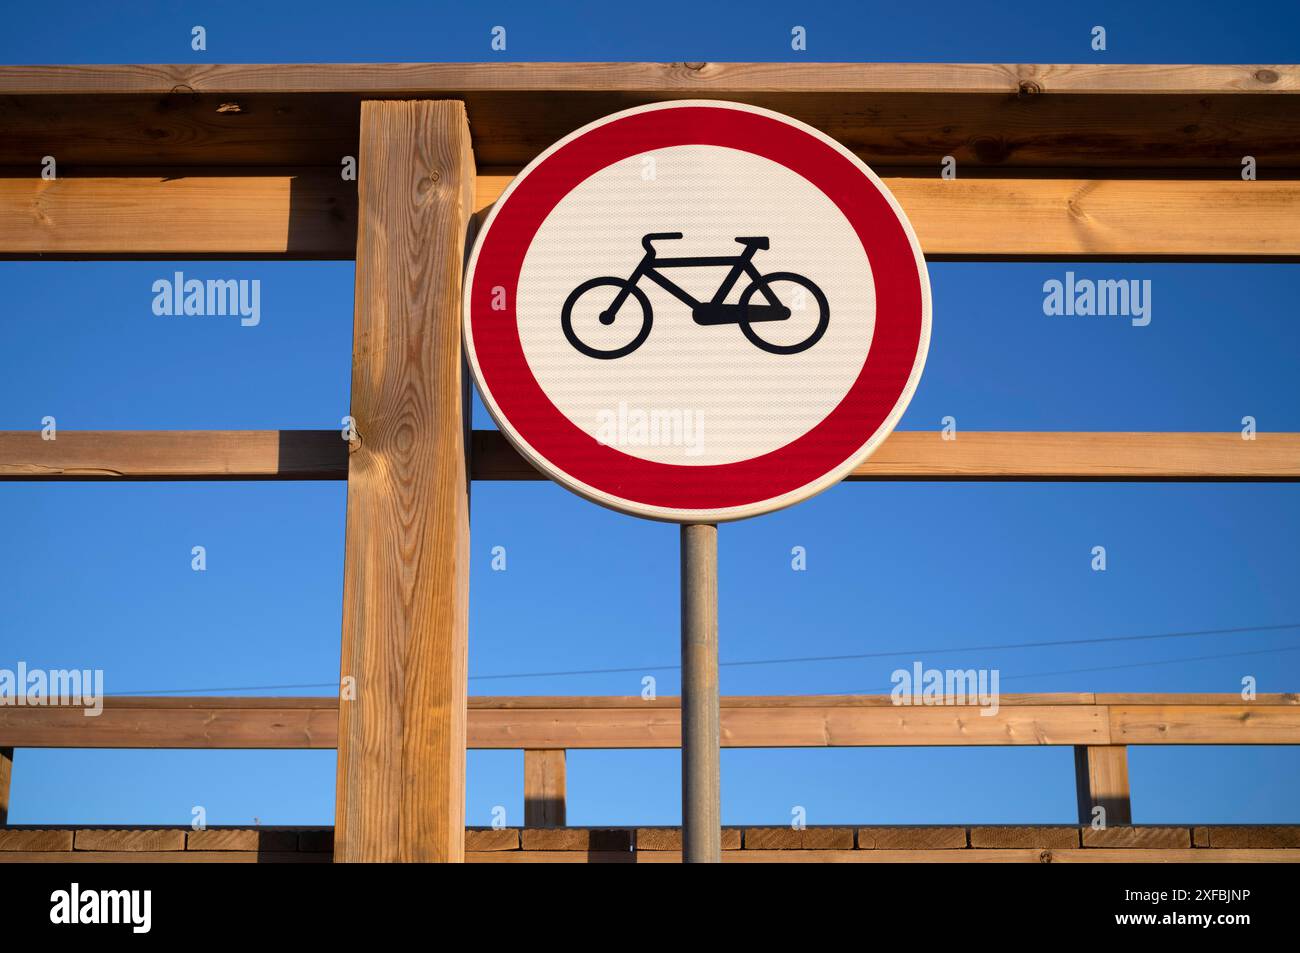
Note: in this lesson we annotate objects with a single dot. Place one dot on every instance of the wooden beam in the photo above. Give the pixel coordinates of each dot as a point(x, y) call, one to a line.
point(282, 213)
point(1101, 780)
point(1247, 723)
point(6, 776)
point(547, 723)
point(401, 763)
point(984, 115)
point(174, 455)
point(310, 213)
point(544, 787)
point(921, 455)
point(264, 723)
point(906, 455)
point(417, 79)
point(992, 218)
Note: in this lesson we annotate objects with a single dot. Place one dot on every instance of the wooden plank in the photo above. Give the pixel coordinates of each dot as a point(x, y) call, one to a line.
point(1138, 838)
point(1024, 836)
point(174, 455)
point(614, 723)
point(226, 838)
point(310, 213)
point(13, 839)
point(792, 727)
point(1245, 724)
point(990, 115)
point(417, 79)
point(6, 777)
point(1101, 780)
point(967, 856)
point(544, 787)
point(1198, 698)
point(670, 838)
point(993, 455)
point(510, 702)
point(163, 857)
point(401, 764)
point(1253, 836)
point(491, 838)
point(792, 838)
point(576, 838)
point(118, 839)
point(1194, 856)
point(982, 218)
point(165, 727)
point(911, 838)
point(907, 455)
point(282, 213)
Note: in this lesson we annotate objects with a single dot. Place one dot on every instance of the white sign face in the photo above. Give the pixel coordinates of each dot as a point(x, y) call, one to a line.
point(696, 311)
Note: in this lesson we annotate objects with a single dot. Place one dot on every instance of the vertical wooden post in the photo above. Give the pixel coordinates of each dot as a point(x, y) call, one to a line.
point(6, 774)
point(401, 745)
point(701, 733)
point(1101, 779)
point(544, 787)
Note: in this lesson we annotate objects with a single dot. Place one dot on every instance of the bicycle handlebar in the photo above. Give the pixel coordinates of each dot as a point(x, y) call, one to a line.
point(656, 236)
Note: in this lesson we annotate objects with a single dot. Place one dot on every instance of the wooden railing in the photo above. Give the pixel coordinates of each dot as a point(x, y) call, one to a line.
point(1098, 726)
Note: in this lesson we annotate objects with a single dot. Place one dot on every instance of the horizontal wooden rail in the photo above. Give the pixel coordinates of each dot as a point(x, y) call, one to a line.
point(906, 455)
point(268, 213)
point(997, 218)
point(771, 722)
point(310, 213)
point(423, 79)
point(174, 455)
point(920, 455)
point(984, 115)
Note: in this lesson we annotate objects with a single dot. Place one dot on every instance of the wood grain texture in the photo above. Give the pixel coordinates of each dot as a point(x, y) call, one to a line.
point(992, 218)
point(118, 839)
point(272, 213)
point(1138, 838)
point(1020, 836)
point(670, 838)
point(401, 764)
point(174, 455)
point(1023, 455)
point(413, 79)
point(310, 213)
point(215, 725)
point(905, 455)
point(1254, 836)
point(617, 722)
point(544, 787)
point(15, 839)
point(985, 115)
point(911, 838)
point(791, 727)
point(1101, 780)
point(6, 778)
point(1248, 724)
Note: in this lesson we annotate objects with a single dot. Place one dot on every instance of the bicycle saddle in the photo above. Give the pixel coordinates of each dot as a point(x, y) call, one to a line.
point(760, 243)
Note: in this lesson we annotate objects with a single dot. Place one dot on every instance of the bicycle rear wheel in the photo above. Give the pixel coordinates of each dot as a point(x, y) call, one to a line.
point(591, 314)
point(797, 300)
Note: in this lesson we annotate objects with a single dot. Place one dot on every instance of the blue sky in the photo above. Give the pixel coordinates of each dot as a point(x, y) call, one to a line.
point(98, 575)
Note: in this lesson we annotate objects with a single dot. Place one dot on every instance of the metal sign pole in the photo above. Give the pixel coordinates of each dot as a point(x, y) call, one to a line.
point(701, 797)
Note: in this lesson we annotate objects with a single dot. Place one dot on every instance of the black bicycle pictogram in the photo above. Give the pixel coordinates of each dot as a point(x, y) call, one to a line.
point(711, 312)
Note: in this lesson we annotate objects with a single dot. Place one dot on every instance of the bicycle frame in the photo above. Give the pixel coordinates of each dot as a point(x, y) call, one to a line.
point(650, 264)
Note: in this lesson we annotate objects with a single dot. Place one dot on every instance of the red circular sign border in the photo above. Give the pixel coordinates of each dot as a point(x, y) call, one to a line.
point(717, 491)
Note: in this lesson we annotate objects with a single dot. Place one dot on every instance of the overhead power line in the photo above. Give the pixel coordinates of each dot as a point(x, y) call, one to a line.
point(809, 658)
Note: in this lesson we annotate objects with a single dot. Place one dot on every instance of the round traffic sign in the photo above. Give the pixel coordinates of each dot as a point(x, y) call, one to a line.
point(696, 311)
